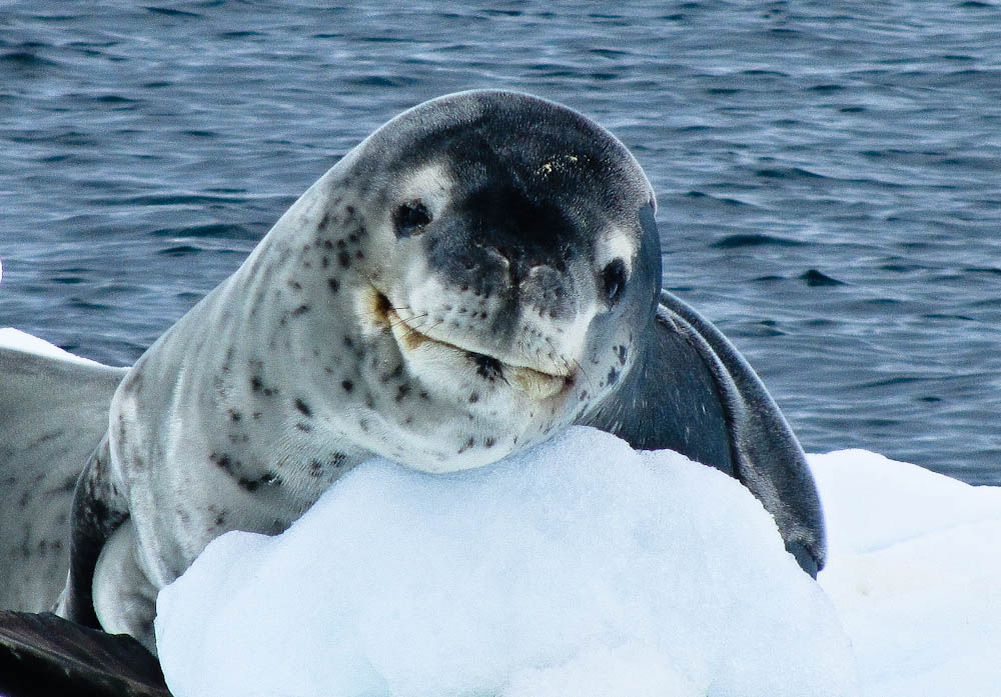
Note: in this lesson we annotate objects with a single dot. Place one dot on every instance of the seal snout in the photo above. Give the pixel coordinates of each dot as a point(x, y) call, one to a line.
point(422, 349)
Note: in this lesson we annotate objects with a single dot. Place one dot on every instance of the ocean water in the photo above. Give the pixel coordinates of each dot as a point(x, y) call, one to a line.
point(827, 172)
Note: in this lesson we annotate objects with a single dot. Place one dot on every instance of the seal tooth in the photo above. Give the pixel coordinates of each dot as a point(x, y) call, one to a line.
point(536, 385)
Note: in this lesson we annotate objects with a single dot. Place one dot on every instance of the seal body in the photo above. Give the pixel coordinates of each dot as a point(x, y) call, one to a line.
point(477, 275)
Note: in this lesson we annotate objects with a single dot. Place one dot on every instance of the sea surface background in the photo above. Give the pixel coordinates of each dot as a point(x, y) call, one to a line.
point(827, 172)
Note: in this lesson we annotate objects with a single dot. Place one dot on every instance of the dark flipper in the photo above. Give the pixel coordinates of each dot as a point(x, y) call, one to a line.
point(97, 511)
point(696, 394)
point(45, 655)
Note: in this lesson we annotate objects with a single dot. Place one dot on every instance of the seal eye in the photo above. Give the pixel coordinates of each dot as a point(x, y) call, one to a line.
point(613, 280)
point(411, 218)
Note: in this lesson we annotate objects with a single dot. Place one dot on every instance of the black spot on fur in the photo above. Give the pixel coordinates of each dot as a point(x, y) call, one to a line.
point(300, 310)
point(223, 462)
point(396, 372)
point(305, 428)
point(295, 285)
point(490, 442)
point(402, 391)
point(613, 376)
point(269, 478)
point(347, 385)
point(327, 244)
point(344, 259)
point(317, 467)
point(323, 221)
point(234, 415)
point(303, 407)
point(256, 384)
point(474, 398)
point(334, 284)
point(622, 352)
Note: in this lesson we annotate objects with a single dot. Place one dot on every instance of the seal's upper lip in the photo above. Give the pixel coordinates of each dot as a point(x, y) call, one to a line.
point(535, 383)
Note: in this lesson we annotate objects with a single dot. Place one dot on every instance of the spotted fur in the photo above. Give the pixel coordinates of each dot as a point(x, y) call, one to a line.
point(480, 273)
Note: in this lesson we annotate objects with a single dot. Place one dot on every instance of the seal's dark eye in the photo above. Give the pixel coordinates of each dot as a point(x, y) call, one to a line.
point(410, 218)
point(613, 280)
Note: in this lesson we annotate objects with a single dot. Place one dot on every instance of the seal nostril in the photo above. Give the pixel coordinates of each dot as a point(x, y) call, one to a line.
point(613, 280)
point(411, 218)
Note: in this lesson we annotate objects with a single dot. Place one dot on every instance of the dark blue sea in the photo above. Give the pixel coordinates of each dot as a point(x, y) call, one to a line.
point(829, 173)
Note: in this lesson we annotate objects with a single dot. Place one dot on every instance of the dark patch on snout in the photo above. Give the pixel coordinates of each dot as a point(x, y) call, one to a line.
point(510, 240)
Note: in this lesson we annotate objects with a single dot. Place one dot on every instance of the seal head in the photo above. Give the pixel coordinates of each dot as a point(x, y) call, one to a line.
point(517, 261)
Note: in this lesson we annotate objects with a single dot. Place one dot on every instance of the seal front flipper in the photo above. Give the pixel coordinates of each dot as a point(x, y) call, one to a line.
point(98, 510)
point(53, 412)
point(694, 393)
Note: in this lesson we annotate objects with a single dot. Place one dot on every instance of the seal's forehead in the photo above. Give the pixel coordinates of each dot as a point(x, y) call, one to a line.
point(535, 139)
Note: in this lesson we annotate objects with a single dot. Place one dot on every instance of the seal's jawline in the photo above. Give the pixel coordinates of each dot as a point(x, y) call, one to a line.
point(538, 383)
point(414, 338)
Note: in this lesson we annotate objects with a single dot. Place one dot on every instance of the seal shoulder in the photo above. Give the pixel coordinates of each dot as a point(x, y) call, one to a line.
point(693, 392)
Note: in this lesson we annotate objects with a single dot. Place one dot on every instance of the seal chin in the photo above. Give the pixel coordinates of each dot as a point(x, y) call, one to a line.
point(533, 383)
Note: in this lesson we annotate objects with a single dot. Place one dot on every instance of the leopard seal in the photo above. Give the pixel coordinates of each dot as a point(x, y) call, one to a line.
point(481, 272)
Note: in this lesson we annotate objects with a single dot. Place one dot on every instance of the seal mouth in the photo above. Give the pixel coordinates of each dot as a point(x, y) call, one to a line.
point(535, 383)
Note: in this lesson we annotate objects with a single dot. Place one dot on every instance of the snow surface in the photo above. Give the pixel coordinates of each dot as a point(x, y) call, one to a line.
point(585, 568)
point(22, 341)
